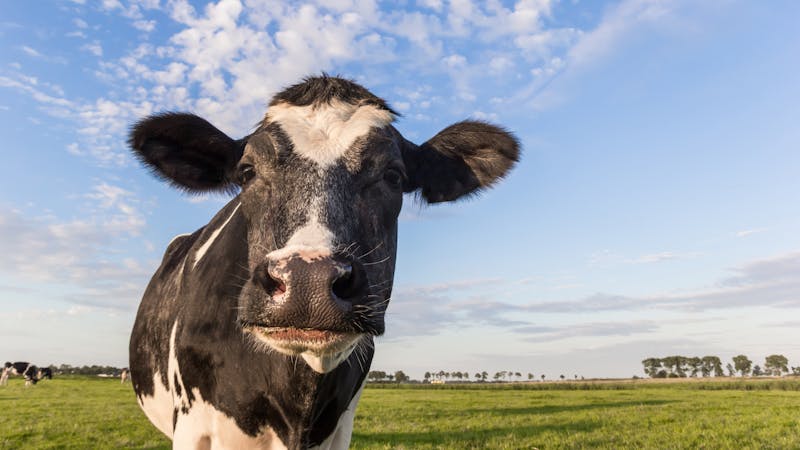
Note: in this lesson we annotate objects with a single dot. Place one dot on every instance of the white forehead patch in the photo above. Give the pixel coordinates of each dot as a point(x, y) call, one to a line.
point(323, 133)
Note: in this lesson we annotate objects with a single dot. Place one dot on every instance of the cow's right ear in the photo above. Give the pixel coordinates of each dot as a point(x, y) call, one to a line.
point(187, 151)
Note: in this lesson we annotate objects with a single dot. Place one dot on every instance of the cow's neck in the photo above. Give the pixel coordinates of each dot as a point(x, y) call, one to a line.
point(300, 405)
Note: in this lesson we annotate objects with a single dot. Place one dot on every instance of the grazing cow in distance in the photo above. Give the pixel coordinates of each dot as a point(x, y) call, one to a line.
point(257, 329)
point(45, 372)
point(27, 370)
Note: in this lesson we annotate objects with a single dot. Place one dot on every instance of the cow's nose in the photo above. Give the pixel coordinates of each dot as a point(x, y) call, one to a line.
point(320, 277)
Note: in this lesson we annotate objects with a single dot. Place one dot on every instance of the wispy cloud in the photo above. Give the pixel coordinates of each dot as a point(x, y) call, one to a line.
point(80, 252)
point(663, 256)
point(426, 310)
point(745, 233)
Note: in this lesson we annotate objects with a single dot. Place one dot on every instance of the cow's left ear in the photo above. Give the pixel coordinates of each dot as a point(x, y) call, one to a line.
point(460, 160)
point(187, 151)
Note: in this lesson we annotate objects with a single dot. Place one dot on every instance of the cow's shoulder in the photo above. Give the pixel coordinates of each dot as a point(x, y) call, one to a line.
point(177, 250)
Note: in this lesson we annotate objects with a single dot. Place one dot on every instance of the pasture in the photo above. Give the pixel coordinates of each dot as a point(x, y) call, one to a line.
point(88, 412)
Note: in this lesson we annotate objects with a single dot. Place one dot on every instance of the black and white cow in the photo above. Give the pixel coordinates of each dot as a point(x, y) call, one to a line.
point(45, 372)
point(257, 329)
point(24, 369)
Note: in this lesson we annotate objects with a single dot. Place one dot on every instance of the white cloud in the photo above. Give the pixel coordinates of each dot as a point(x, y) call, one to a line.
point(80, 252)
point(31, 52)
point(145, 25)
point(94, 48)
point(663, 256)
point(616, 24)
point(745, 233)
point(227, 58)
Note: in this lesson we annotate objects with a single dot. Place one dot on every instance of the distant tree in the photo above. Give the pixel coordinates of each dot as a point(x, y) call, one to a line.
point(711, 364)
point(497, 376)
point(389, 377)
point(530, 376)
point(676, 365)
point(651, 366)
point(562, 377)
point(542, 377)
point(742, 364)
point(376, 375)
point(796, 370)
point(477, 376)
point(731, 370)
point(757, 372)
point(576, 377)
point(401, 377)
point(484, 375)
point(517, 375)
point(427, 377)
point(776, 365)
point(466, 375)
point(440, 374)
point(694, 365)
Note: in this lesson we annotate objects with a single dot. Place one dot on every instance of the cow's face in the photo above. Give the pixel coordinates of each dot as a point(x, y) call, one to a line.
point(321, 184)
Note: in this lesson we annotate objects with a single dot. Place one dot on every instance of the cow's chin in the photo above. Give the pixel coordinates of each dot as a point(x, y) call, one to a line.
point(322, 350)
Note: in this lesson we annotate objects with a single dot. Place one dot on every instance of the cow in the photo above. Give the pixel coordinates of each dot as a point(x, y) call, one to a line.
point(24, 369)
point(4, 376)
point(257, 330)
point(45, 372)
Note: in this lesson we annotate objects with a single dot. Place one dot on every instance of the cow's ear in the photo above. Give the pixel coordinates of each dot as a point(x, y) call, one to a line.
point(460, 160)
point(187, 151)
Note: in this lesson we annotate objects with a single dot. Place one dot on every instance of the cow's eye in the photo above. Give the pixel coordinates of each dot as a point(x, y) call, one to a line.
point(394, 178)
point(244, 173)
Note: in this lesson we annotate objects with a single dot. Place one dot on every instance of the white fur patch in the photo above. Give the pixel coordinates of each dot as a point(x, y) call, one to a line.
point(323, 133)
point(207, 244)
point(158, 407)
point(203, 426)
point(206, 427)
point(340, 438)
point(326, 362)
point(311, 239)
point(177, 237)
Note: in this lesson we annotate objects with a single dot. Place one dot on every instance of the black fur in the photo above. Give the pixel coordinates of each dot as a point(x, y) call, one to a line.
point(325, 89)
point(187, 151)
point(459, 161)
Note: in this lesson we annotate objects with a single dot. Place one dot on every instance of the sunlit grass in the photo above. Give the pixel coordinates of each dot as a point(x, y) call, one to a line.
point(88, 412)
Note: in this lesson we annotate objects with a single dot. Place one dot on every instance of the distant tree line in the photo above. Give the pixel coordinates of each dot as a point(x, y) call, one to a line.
point(85, 370)
point(442, 376)
point(683, 366)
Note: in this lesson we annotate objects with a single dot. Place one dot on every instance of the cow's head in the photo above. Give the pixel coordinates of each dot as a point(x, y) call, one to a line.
point(321, 183)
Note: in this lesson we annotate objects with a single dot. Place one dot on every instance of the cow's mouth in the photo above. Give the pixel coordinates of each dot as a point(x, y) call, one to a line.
point(323, 350)
point(304, 336)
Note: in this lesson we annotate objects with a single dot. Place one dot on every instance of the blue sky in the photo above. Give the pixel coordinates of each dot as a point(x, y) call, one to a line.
point(655, 210)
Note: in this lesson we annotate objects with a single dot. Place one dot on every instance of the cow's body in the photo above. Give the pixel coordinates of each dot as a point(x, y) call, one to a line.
point(257, 329)
point(26, 370)
point(259, 399)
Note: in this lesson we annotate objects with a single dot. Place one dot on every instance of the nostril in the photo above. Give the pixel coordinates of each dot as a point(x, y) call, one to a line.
point(278, 287)
point(349, 283)
point(271, 283)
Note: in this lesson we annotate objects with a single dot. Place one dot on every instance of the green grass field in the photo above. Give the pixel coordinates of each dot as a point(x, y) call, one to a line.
point(84, 413)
